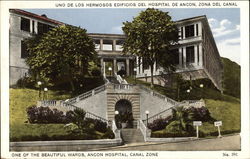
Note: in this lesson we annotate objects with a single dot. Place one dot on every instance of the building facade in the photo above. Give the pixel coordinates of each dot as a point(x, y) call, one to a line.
point(196, 53)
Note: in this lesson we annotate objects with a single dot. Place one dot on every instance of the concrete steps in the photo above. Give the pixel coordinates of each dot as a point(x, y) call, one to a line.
point(132, 135)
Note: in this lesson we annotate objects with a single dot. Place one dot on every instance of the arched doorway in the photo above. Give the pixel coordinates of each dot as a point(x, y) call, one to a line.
point(124, 118)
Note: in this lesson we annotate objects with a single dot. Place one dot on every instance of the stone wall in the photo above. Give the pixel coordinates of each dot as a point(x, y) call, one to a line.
point(96, 104)
point(153, 104)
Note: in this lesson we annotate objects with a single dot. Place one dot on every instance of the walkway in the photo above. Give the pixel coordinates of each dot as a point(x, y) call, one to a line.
point(215, 144)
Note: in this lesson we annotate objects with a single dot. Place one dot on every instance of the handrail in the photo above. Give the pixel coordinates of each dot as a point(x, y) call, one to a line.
point(156, 94)
point(159, 115)
point(87, 94)
point(118, 78)
point(72, 107)
point(115, 130)
point(122, 86)
point(145, 131)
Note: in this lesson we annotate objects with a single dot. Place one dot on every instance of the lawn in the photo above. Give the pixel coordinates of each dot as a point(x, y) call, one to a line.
point(222, 107)
point(20, 99)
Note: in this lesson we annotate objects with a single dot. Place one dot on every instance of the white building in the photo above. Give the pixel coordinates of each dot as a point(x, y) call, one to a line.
point(196, 54)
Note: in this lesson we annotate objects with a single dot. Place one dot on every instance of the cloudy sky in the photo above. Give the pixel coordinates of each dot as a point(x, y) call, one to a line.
point(224, 22)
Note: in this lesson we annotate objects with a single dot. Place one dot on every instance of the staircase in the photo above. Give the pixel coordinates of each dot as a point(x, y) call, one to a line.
point(113, 80)
point(132, 135)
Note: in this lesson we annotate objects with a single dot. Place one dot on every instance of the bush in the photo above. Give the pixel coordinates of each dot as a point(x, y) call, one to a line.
point(121, 73)
point(159, 124)
point(45, 115)
point(100, 126)
point(174, 129)
point(26, 82)
point(108, 134)
point(201, 114)
point(96, 71)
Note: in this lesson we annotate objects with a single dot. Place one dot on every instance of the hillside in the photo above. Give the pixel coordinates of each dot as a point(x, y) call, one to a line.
point(231, 77)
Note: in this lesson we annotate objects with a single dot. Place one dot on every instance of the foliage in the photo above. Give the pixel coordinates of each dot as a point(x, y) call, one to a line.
point(231, 77)
point(150, 36)
point(26, 82)
point(173, 130)
point(159, 124)
point(109, 134)
point(62, 53)
point(200, 114)
point(122, 73)
point(96, 72)
point(126, 117)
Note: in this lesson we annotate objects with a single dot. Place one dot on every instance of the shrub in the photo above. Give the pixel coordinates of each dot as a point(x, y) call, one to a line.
point(45, 115)
point(96, 71)
point(121, 73)
point(108, 134)
point(26, 82)
point(201, 114)
point(174, 129)
point(159, 124)
point(100, 126)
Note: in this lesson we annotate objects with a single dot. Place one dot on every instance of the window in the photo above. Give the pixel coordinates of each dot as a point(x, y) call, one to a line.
point(190, 54)
point(43, 28)
point(24, 52)
point(198, 53)
point(107, 45)
point(145, 64)
point(33, 26)
point(189, 31)
point(97, 44)
point(181, 32)
point(197, 29)
point(25, 24)
point(176, 56)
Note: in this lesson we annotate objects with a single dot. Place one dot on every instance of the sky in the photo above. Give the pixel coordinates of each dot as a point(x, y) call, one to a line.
point(224, 22)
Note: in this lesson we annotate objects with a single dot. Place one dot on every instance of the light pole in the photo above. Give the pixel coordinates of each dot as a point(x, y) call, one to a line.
point(116, 112)
point(147, 112)
point(45, 93)
point(135, 74)
point(188, 91)
point(110, 69)
point(201, 86)
point(39, 83)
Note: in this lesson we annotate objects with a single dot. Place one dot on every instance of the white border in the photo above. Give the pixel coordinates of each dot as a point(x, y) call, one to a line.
point(244, 11)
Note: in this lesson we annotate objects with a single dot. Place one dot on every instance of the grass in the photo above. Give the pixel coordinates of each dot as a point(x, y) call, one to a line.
point(222, 107)
point(21, 130)
point(20, 100)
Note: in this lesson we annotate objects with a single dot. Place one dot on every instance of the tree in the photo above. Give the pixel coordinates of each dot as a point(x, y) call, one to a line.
point(62, 54)
point(150, 36)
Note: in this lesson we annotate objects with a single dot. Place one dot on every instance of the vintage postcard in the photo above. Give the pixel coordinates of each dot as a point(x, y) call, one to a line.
point(125, 79)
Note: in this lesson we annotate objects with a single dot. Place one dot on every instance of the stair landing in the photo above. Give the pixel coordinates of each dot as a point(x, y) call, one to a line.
point(130, 135)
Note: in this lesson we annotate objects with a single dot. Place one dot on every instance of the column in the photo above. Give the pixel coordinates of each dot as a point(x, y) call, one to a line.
point(200, 29)
point(102, 66)
point(31, 26)
point(195, 55)
point(114, 45)
point(104, 69)
point(101, 44)
point(200, 55)
point(127, 66)
point(184, 32)
point(195, 30)
point(180, 58)
point(154, 67)
point(36, 27)
point(184, 57)
point(137, 65)
point(141, 66)
point(114, 65)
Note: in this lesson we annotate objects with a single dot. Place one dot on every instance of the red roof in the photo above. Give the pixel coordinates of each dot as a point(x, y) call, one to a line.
point(19, 11)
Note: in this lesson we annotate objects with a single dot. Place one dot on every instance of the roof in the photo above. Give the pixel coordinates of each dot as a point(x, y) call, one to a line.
point(32, 15)
point(192, 18)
